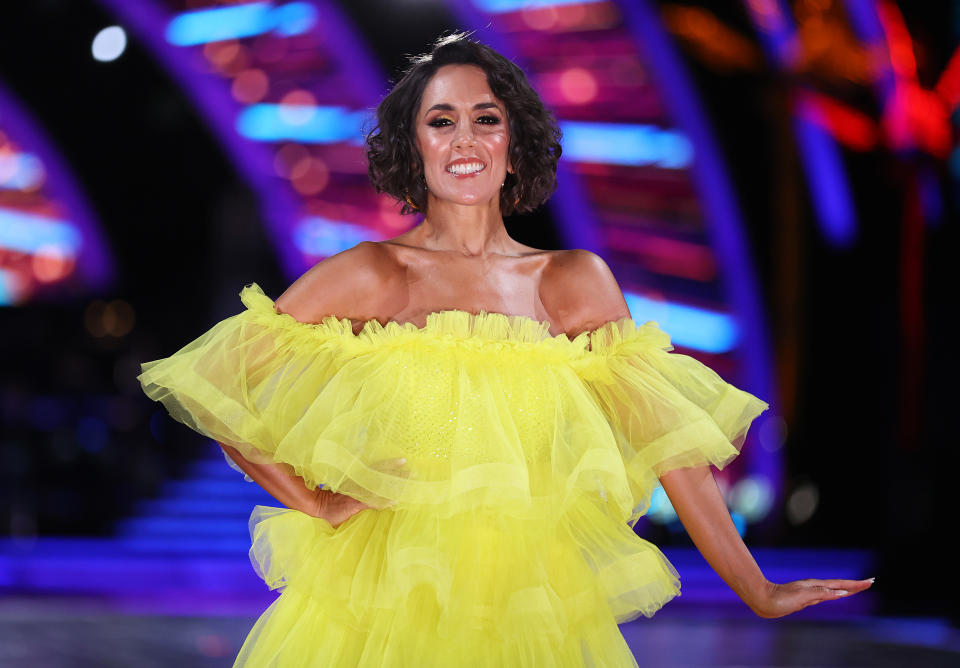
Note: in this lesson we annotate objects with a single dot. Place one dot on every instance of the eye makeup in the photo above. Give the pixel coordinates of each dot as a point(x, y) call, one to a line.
point(486, 118)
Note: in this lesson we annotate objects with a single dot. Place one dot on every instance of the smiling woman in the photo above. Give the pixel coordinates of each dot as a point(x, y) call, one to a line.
point(461, 478)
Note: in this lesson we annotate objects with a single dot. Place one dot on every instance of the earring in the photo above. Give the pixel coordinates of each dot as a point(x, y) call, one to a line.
point(410, 202)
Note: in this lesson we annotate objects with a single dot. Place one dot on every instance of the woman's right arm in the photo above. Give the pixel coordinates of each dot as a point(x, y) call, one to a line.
point(280, 482)
point(290, 489)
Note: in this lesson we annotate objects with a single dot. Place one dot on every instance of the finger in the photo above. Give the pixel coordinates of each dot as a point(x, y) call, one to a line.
point(832, 594)
point(824, 593)
point(844, 584)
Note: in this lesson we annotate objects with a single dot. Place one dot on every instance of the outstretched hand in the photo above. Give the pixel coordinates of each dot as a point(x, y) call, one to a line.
point(779, 600)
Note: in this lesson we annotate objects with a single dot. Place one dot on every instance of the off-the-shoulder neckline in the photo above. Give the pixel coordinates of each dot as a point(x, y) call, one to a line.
point(432, 316)
point(485, 325)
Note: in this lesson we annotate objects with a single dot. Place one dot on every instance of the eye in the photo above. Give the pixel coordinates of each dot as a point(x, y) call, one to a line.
point(443, 121)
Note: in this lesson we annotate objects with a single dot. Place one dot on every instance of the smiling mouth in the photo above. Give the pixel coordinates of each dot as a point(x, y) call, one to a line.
point(463, 169)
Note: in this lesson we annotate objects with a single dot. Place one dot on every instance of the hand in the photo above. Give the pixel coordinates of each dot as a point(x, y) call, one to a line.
point(337, 508)
point(779, 600)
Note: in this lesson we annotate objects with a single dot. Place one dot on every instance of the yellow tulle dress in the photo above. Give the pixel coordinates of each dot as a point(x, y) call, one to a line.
point(506, 540)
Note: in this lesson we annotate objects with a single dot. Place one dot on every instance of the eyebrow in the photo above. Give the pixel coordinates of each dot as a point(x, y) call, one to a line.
point(448, 107)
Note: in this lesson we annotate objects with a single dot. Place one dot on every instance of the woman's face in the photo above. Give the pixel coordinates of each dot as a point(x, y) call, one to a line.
point(463, 136)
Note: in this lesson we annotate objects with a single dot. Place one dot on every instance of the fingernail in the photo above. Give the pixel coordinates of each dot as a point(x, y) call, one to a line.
point(841, 592)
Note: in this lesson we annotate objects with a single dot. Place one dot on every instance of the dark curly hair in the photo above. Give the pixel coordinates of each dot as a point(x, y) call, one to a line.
point(395, 164)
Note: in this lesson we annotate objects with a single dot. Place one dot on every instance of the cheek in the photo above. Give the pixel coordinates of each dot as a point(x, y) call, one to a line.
point(431, 152)
point(428, 149)
point(499, 145)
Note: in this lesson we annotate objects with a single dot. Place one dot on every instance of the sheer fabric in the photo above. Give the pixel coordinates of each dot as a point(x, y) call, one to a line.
point(507, 535)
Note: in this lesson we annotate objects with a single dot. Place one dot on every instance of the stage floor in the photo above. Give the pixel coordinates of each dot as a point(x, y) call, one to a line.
point(78, 631)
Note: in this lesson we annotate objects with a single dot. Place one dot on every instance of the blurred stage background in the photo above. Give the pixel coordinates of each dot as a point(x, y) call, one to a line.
point(774, 182)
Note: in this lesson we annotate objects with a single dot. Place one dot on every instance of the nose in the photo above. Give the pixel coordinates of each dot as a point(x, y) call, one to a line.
point(464, 136)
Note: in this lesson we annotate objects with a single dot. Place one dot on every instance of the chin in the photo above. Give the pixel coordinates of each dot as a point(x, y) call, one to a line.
point(470, 199)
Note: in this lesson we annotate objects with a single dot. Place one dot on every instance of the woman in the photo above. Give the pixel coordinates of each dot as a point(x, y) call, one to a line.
point(481, 471)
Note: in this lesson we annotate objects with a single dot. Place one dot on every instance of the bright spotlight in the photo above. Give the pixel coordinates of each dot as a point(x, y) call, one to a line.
point(109, 44)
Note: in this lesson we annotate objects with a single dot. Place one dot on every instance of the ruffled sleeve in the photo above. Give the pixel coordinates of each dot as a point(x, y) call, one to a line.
point(243, 382)
point(666, 410)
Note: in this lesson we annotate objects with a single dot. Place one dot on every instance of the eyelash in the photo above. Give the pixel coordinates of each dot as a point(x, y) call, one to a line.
point(436, 122)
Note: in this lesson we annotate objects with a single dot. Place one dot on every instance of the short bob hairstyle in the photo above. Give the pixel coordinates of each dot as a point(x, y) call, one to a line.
point(395, 164)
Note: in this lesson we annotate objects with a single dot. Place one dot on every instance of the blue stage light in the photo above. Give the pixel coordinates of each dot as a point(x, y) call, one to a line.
point(504, 6)
point(20, 171)
point(8, 284)
point(321, 237)
point(739, 521)
point(661, 510)
point(295, 18)
point(238, 21)
point(301, 123)
point(29, 233)
point(830, 189)
point(626, 144)
point(688, 326)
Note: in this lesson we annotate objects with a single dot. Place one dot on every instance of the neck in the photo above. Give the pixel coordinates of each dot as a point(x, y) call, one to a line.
point(469, 230)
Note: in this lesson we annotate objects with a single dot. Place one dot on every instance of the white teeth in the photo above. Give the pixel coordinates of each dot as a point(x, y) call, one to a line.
point(465, 168)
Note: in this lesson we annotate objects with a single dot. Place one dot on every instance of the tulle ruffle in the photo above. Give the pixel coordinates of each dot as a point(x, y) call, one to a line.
point(666, 410)
point(397, 588)
point(489, 410)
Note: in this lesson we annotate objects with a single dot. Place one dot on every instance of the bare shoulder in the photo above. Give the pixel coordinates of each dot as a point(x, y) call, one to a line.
point(356, 283)
point(581, 291)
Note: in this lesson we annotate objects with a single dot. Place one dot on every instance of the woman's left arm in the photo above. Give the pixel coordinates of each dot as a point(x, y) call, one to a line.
point(697, 500)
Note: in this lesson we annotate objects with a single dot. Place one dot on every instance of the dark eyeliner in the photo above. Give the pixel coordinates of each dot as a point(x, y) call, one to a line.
point(436, 122)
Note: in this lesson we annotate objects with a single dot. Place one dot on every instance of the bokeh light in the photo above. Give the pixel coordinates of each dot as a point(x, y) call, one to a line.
point(802, 503)
point(114, 318)
point(752, 497)
point(578, 85)
point(250, 86)
point(109, 44)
